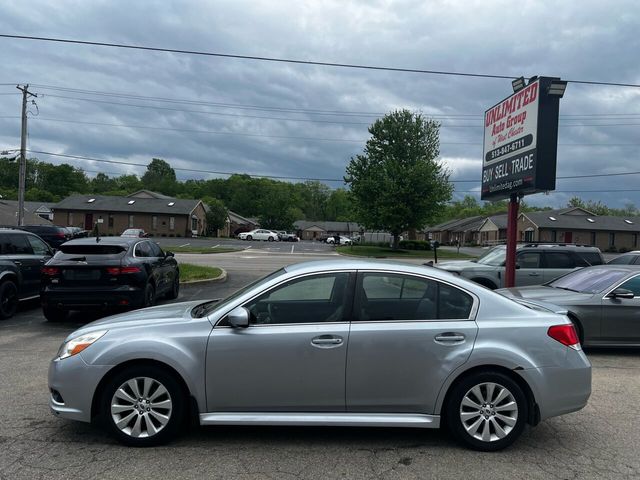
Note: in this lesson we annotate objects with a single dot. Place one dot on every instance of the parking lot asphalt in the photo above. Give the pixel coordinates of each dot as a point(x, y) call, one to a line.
point(601, 441)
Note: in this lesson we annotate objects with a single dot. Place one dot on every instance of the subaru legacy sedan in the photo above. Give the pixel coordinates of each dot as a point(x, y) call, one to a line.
point(353, 343)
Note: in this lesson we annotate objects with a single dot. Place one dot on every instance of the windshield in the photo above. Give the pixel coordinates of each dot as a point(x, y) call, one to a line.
point(589, 280)
point(494, 257)
point(207, 308)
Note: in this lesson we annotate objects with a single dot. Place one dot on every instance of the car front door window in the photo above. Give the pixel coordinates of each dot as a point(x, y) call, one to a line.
point(320, 298)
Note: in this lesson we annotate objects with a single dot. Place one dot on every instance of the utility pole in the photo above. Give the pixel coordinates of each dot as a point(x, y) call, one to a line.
point(23, 153)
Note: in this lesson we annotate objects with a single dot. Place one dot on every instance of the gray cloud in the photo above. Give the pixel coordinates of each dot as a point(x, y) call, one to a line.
point(590, 40)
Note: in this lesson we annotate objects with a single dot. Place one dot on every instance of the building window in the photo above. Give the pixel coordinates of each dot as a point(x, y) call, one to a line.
point(593, 238)
point(172, 223)
point(612, 239)
point(154, 222)
point(130, 221)
point(110, 220)
point(194, 223)
point(635, 240)
point(70, 222)
point(554, 235)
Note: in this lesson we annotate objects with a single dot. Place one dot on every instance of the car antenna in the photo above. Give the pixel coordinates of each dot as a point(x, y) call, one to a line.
point(96, 232)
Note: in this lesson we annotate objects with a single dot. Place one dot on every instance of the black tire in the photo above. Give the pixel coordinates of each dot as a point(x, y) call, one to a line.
point(8, 299)
point(175, 288)
point(175, 413)
point(454, 410)
point(54, 314)
point(249, 237)
point(149, 295)
point(270, 239)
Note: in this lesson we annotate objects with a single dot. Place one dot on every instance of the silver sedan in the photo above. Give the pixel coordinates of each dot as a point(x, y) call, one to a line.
point(602, 301)
point(356, 343)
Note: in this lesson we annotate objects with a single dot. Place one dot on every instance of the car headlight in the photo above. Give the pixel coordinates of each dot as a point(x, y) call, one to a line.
point(78, 344)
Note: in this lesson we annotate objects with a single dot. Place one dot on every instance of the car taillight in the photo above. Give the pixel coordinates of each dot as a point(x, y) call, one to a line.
point(61, 235)
point(50, 271)
point(122, 270)
point(566, 335)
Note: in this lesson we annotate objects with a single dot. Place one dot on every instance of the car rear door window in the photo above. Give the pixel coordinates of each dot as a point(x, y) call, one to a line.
point(559, 260)
point(38, 246)
point(385, 296)
point(528, 260)
point(143, 250)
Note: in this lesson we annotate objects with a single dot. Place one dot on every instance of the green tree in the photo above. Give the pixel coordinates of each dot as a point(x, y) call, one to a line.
point(339, 206)
point(398, 183)
point(217, 215)
point(277, 212)
point(160, 177)
point(59, 180)
point(102, 183)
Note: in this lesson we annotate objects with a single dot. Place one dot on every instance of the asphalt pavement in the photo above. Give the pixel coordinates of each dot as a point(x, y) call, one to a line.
point(601, 441)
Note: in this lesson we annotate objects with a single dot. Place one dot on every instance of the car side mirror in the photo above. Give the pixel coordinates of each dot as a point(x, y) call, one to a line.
point(169, 254)
point(621, 293)
point(238, 317)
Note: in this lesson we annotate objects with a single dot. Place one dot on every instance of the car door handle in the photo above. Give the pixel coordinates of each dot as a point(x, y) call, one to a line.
point(17, 262)
point(326, 341)
point(534, 274)
point(449, 337)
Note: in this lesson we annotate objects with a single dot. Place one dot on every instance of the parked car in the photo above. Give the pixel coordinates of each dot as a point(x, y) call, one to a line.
point(135, 233)
point(536, 263)
point(353, 343)
point(603, 303)
point(77, 232)
point(52, 234)
point(259, 234)
point(343, 240)
point(630, 258)
point(21, 256)
point(287, 236)
point(114, 272)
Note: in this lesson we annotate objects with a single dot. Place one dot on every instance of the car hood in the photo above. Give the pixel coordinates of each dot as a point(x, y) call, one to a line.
point(458, 265)
point(545, 294)
point(147, 316)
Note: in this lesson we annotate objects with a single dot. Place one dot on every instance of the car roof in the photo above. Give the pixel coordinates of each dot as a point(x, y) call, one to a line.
point(610, 266)
point(357, 264)
point(105, 241)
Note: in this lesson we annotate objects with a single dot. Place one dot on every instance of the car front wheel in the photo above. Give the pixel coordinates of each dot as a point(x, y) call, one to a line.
point(8, 299)
point(143, 406)
point(249, 237)
point(175, 287)
point(486, 411)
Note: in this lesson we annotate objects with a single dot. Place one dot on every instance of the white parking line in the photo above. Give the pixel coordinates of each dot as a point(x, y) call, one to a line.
point(216, 246)
point(185, 245)
point(248, 247)
point(291, 248)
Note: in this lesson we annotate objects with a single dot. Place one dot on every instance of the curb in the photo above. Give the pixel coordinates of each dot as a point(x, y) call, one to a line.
point(219, 279)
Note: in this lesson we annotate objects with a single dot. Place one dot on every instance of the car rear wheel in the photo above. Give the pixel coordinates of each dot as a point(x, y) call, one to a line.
point(143, 406)
point(175, 288)
point(486, 411)
point(149, 295)
point(8, 299)
point(249, 237)
point(54, 314)
point(270, 239)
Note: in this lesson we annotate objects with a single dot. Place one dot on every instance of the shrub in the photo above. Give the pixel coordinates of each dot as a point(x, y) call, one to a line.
point(415, 245)
point(623, 250)
point(612, 249)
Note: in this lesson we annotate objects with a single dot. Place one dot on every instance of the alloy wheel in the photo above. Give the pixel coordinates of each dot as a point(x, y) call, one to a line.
point(141, 407)
point(488, 412)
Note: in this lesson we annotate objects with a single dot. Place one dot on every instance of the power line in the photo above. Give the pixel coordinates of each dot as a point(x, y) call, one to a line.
point(294, 61)
point(195, 170)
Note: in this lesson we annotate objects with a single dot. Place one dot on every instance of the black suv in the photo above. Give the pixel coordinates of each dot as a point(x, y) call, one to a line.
point(52, 234)
point(107, 274)
point(22, 254)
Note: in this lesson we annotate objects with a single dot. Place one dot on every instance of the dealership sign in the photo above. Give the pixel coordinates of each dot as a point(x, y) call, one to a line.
point(520, 143)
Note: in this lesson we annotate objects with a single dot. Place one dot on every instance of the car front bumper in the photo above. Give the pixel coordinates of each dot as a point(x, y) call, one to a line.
point(72, 384)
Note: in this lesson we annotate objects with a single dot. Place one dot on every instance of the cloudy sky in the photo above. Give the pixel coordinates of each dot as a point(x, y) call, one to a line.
point(264, 118)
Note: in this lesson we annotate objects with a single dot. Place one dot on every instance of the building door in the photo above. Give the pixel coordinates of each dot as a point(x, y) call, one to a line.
point(88, 221)
point(568, 237)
